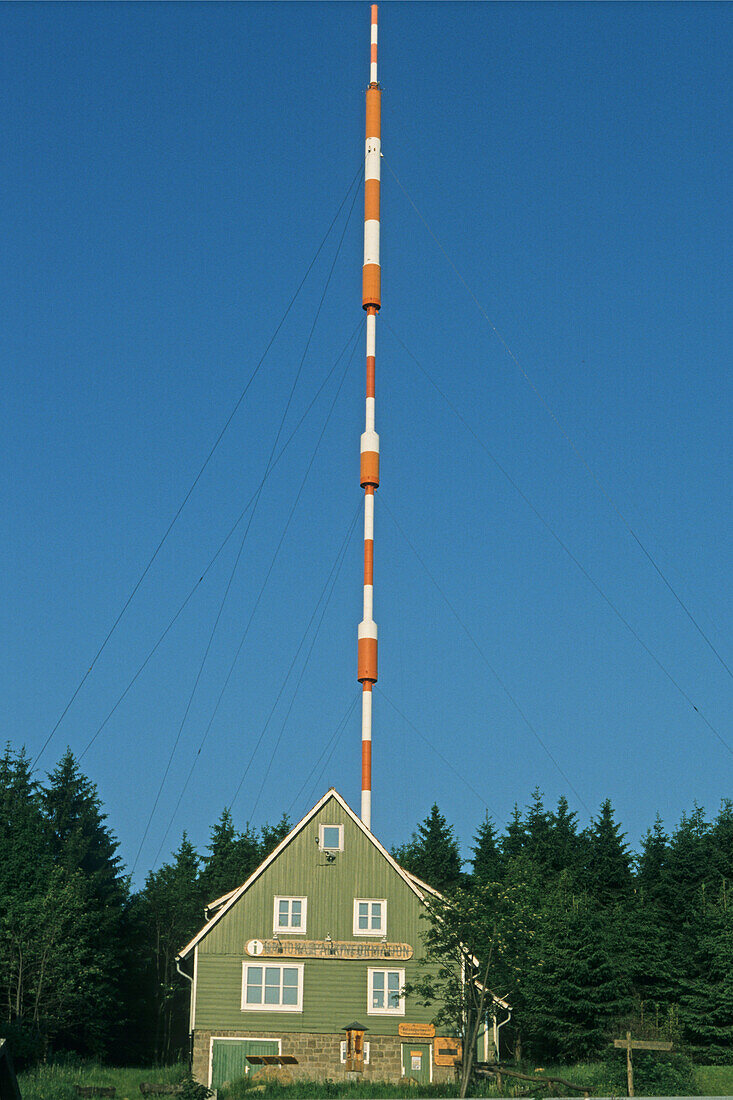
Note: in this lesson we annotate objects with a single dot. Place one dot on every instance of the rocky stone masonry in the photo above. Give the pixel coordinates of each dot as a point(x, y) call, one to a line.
point(319, 1056)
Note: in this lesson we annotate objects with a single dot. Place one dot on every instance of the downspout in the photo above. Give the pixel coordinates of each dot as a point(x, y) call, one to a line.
point(496, 1030)
point(190, 1008)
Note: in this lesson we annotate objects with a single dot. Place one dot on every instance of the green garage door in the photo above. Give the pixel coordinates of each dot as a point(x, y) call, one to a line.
point(229, 1058)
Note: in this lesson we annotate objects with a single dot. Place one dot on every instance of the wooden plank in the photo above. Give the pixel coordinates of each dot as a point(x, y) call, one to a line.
point(642, 1044)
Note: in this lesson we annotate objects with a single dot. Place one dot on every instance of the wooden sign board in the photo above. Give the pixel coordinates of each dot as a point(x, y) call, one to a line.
point(416, 1031)
point(642, 1044)
point(446, 1051)
point(324, 949)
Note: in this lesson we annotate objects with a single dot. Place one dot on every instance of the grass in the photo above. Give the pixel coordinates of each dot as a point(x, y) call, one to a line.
point(715, 1080)
point(56, 1082)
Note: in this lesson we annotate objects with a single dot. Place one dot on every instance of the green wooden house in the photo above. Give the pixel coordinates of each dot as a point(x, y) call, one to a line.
point(325, 933)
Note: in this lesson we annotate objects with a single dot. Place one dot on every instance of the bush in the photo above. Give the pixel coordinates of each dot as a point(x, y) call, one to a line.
point(192, 1090)
point(26, 1044)
point(655, 1073)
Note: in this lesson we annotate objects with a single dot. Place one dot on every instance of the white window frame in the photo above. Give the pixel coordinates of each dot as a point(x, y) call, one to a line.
point(277, 927)
point(382, 930)
point(366, 1052)
point(329, 825)
point(371, 971)
point(263, 965)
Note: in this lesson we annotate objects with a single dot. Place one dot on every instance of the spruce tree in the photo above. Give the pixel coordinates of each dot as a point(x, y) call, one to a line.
point(272, 835)
point(569, 848)
point(24, 852)
point(574, 986)
point(83, 847)
point(707, 1000)
point(172, 908)
point(652, 862)
point(608, 870)
point(433, 853)
point(514, 840)
point(231, 860)
point(487, 862)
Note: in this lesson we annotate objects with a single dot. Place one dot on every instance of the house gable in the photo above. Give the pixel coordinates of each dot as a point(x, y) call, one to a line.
point(336, 989)
point(331, 809)
point(330, 882)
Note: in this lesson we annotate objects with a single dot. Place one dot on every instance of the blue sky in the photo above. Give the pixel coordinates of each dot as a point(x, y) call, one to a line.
point(169, 172)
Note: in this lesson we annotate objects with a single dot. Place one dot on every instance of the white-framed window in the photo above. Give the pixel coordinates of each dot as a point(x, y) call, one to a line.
point(290, 914)
point(277, 988)
point(366, 1052)
point(384, 992)
point(331, 838)
point(370, 917)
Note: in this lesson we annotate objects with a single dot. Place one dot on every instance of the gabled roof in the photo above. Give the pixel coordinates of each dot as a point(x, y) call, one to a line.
point(223, 904)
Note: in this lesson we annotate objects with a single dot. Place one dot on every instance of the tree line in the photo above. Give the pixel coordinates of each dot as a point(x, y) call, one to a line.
point(597, 938)
point(594, 940)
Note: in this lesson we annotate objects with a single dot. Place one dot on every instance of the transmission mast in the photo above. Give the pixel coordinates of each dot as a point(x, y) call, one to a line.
point(371, 289)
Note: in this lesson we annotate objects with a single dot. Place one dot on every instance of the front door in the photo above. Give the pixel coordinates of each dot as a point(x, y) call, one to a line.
point(229, 1058)
point(416, 1062)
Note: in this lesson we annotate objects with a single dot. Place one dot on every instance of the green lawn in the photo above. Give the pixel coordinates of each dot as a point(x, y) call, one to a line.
point(715, 1080)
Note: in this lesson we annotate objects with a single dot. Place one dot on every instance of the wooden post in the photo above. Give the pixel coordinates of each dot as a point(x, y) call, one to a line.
point(629, 1044)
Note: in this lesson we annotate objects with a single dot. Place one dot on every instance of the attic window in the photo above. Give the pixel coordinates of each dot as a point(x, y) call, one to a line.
point(331, 838)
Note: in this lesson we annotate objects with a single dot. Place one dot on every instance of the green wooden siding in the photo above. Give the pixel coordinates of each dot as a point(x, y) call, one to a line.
point(335, 991)
point(334, 994)
point(229, 1058)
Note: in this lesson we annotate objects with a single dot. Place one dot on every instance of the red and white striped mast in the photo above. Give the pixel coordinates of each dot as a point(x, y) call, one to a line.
point(371, 284)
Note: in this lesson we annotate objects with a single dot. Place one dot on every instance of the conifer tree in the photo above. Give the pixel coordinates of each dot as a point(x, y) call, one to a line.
point(707, 1001)
point(433, 853)
point(652, 862)
point(538, 831)
point(487, 862)
point(569, 848)
point(231, 860)
point(574, 986)
point(272, 835)
point(514, 840)
point(173, 911)
point(608, 871)
point(24, 854)
point(83, 850)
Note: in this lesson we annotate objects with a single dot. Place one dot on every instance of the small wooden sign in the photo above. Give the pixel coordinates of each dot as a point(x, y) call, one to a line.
point(446, 1051)
point(328, 949)
point(416, 1031)
point(642, 1044)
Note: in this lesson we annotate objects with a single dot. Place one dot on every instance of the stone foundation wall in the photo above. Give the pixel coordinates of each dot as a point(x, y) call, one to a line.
point(319, 1055)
